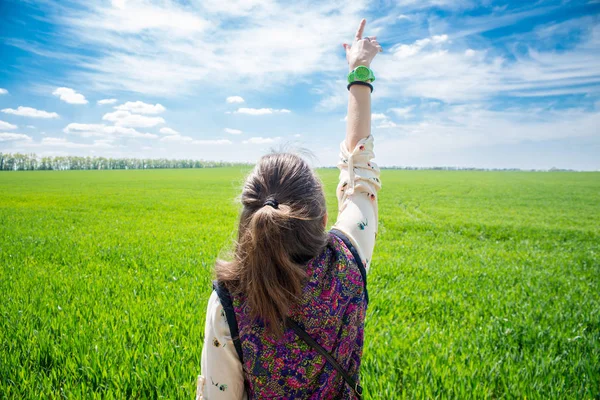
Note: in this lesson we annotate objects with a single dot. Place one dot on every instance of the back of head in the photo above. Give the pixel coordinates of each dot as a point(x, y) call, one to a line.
point(281, 228)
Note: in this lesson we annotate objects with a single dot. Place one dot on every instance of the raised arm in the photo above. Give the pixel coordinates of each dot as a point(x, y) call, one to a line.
point(362, 52)
point(359, 175)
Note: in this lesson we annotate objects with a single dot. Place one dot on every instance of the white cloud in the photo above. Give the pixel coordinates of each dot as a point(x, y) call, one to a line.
point(90, 130)
point(139, 107)
point(6, 125)
point(30, 112)
point(234, 99)
point(70, 96)
point(261, 140)
point(61, 142)
point(297, 135)
point(233, 131)
point(376, 116)
point(190, 140)
point(3, 91)
point(125, 118)
point(168, 131)
point(10, 137)
point(106, 101)
point(261, 111)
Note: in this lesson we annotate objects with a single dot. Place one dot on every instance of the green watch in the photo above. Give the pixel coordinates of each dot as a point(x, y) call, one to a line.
point(361, 73)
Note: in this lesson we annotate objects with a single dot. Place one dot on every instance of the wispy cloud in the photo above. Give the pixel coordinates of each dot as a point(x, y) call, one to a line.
point(228, 130)
point(3, 91)
point(30, 112)
point(166, 48)
point(432, 69)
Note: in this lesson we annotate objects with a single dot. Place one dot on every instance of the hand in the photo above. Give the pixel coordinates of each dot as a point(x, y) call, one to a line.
point(362, 51)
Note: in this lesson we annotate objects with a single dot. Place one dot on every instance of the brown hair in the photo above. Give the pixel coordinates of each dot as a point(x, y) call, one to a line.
point(275, 241)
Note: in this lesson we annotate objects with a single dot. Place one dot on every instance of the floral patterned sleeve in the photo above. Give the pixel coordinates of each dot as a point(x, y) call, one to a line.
point(222, 376)
point(357, 197)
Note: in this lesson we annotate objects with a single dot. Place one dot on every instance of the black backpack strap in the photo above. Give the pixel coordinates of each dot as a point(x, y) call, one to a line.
point(291, 324)
point(227, 304)
point(361, 266)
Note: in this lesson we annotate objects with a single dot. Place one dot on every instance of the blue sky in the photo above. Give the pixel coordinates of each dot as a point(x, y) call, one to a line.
point(460, 83)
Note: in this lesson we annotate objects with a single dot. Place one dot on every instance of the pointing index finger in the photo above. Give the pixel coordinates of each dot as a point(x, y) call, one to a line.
point(361, 28)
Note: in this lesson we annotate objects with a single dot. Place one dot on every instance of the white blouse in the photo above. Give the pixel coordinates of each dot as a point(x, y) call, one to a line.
point(222, 375)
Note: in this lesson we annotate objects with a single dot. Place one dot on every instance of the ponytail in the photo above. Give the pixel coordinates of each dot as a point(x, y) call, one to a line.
point(274, 280)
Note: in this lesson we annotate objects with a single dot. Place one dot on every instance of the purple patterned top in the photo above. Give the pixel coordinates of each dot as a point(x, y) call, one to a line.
point(332, 311)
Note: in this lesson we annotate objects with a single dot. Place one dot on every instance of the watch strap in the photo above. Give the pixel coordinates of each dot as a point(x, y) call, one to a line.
point(362, 83)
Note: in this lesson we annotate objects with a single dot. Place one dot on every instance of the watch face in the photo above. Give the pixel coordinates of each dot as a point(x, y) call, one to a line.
point(362, 73)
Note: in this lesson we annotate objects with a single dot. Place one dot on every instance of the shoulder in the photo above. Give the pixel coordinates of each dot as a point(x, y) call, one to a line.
point(343, 243)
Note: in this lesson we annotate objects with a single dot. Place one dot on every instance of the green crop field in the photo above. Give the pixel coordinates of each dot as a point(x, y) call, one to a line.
point(483, 284)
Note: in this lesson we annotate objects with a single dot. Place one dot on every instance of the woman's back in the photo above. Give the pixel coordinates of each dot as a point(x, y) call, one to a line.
point(331, 310)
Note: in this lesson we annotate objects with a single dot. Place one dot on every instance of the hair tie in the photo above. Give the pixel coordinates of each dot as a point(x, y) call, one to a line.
point(271, 202)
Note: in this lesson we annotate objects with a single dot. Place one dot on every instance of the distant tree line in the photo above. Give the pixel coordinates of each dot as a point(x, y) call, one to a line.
point(31, 162)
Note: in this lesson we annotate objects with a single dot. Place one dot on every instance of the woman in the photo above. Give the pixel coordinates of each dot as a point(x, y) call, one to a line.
point(287, 315)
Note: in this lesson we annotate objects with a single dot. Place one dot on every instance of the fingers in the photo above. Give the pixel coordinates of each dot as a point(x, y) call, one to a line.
point(361, 28)
point(371, 38)
point(346, 47)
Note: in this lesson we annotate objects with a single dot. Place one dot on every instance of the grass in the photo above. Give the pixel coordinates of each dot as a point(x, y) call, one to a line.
point(483, 284)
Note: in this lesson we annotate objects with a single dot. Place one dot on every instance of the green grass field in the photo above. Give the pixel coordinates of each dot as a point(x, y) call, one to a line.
point(483, 284)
